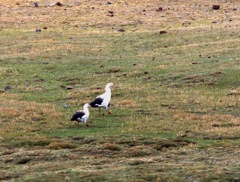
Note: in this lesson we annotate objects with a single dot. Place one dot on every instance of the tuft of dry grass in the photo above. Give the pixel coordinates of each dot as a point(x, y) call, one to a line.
point(60, 145)
point(111, 146)
point(19, 117)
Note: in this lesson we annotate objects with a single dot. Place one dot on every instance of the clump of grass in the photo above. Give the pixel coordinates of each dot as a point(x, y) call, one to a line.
point(114, 70)
point(30, 143)
point(139, 152)
point(111, 146)
point(61, 145)
point(135, 163)
point(164, 144)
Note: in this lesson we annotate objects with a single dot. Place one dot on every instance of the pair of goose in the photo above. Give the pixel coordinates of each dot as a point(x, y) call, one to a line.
point(101, 101)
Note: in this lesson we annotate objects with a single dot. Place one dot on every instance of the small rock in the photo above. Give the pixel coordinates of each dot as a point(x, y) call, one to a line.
point(146, 72)
point(69, 87)
point(159, 9)
point(121, 30)
point(194, 62)
point(186, 23)
point(38, 30)
point(109, 3)
point(35, 4)
point(215, 7)
point(56, 4)
point(163, 32)
point(65, 105)
point(9, 87)
point(44, 27)
point(111, 13)
point(215, 125)
point(172, 107)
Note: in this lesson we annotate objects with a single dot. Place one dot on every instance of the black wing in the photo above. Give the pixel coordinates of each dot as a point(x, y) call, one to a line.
point(77, 115)
point(96, 102)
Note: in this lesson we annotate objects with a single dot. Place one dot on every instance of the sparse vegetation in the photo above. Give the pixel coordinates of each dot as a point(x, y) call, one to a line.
point(175, 69)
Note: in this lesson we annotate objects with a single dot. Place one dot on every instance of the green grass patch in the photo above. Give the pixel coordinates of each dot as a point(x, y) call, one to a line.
point(181, 85)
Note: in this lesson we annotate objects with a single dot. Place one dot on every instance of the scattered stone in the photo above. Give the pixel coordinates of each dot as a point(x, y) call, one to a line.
point(44, 27)
point(38, 30)
point(35, 4)
point(159, 9)
point(108, 3)
point(111, 13)
point(121, 30)
point(234, 9)
point(69, 87)
point(172, 107)
point(215, 125)
point(2, 91)
point(215, 7)
point(214, 21)
point(65, 105)
point(56, 4)
point(163, 32)
point(9, 87)
point(146, 72)
point(186, 23)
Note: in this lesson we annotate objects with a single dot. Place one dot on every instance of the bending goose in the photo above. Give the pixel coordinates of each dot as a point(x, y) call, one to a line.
point(82, 115)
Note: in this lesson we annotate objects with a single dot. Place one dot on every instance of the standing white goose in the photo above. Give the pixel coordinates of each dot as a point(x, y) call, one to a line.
point(82, 115)
point(103, 100)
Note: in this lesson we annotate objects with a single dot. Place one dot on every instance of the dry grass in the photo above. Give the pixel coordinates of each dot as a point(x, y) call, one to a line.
point(21, 117)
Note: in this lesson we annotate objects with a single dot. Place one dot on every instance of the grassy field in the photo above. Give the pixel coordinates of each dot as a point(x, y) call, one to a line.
point(175, 101)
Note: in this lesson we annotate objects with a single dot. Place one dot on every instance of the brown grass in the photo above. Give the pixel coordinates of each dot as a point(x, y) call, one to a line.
point(61, 145)
point(22, 116)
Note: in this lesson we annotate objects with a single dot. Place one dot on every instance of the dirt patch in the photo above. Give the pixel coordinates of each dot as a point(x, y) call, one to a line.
point(129, 157)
